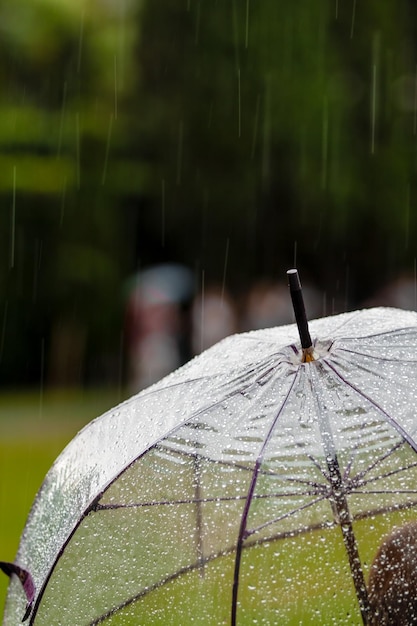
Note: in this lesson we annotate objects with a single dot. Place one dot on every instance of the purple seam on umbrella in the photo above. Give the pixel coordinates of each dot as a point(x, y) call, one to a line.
point(379, 408)
point(371, 356)
point(359, 480)
point(227, 551)
point(242, 529)
point(93, 504)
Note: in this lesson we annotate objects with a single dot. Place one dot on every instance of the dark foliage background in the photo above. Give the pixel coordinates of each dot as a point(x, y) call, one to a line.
point(237, 137)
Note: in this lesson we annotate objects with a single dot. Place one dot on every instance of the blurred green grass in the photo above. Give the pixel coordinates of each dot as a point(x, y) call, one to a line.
point(35, 426)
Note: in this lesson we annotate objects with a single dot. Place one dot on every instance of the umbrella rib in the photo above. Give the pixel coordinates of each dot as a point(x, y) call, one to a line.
point(408, 329)
point(93, 505)
point(246, 468)
point(390, 420)
point(339, 503)
point(375, 404)
point(276, 520)
point(262, 472)
point(381, 491)
point(313, 484)
point(353, 454)
point(260, 370)
point(133, 505)
point(227, 551)
point(379, 358)
point(357, 480)
point(298, 481)
point(258, 367)
point(242, 529)
point(378, 461)
point(212, 557)
point(181, 572)
point(319, 467)
point(200, 411)
point(194, 566)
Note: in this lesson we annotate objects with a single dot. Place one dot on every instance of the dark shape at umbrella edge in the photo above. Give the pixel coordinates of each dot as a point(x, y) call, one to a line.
point(26, 581)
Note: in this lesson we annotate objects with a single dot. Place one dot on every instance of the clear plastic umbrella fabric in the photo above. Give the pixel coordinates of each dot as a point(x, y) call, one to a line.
point(245, 488)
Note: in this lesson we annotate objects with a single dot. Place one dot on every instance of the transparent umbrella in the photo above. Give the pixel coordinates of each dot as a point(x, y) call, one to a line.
point(252, 485)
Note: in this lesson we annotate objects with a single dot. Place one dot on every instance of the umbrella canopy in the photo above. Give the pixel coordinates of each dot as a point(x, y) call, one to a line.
point(250, 486)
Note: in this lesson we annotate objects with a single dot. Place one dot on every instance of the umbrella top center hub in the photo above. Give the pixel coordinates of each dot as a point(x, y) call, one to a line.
point(319, 350)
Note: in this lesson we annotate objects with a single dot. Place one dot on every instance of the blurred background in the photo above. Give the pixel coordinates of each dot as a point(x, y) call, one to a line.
point(234, 138)
point(162, 164)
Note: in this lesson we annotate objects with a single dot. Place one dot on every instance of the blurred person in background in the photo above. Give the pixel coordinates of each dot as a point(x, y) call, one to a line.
point(393, 579)
point(158, 323)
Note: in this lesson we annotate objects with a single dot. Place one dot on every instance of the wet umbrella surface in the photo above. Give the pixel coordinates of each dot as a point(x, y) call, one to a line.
point(251, 486)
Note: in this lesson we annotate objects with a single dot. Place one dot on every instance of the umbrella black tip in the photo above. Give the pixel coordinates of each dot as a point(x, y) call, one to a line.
point(293, 280)
point(299, 311)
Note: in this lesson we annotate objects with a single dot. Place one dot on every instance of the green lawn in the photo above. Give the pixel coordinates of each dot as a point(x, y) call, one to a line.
point(34, 428)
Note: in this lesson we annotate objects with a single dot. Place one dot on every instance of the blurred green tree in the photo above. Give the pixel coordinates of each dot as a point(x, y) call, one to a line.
point(237, 133)
point(63, 250)
point(287, 127)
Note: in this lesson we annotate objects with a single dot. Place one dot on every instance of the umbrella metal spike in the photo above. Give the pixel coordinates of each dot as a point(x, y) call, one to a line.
point(300, 315)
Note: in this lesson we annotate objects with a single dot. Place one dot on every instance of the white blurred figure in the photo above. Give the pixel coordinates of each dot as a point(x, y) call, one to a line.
point(155, 323)
point(153, 348)
point(213, 318)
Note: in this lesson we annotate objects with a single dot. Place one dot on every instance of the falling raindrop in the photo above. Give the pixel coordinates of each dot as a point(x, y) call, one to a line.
point(415, 284)
point(407, 216)
point(106, 158)
point(77, 147)
point(239, 103)
point(247, 24)
point(36, 267)
point(352, 24)
point(266, 151)
point(197, 23)
point(374, 85)
point(324, 144)
point(163, 212)
point(226, 258)
point(13, 223)
point(3, 329)
point(415, 102)
point(179, 151)
point(373, 109)
point(235, 34)
point(255, 126)
point(115, 87)
point(80, 41)
point(202, 321)
point(62, 118)
point(42, 377)
point(63, 198)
